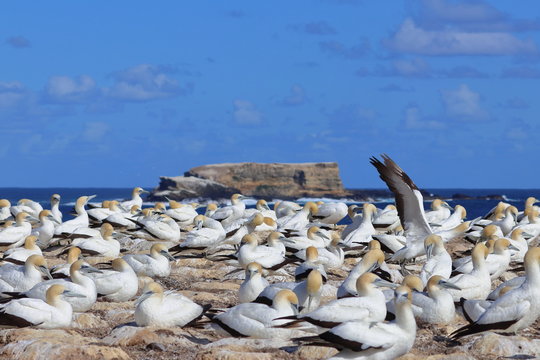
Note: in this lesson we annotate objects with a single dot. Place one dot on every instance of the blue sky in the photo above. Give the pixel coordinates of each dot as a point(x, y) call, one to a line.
point(114, 94)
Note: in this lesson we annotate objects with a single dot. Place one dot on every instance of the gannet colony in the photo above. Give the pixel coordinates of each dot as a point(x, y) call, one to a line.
point(181, 280)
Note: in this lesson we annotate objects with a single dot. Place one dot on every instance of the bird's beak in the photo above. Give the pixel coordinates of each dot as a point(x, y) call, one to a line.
point(449, 285)
point(91, 269)
point(69, 293)
point(90, 198)
point(384, 283)
point(167, 255)
point(321, 234)
point(45, 272)
point(512, 247)
point(429, 250)
point(143, 297)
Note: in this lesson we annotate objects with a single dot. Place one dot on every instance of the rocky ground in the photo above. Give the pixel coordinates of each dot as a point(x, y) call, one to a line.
point(108, 330)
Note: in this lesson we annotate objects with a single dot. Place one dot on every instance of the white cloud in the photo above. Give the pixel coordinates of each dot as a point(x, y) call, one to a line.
point(296, 97)
point(145, 82)
point(414, 120)
point(411, 38)
point(246, 113)
point(411, 68)
point(94, 131)
point(463, 104)
point(11, 94)
point(64, 89)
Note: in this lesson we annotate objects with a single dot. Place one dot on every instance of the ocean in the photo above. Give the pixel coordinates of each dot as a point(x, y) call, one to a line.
point(475, 206)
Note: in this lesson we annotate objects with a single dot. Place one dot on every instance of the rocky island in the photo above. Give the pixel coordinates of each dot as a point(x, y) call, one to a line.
point(274, 180)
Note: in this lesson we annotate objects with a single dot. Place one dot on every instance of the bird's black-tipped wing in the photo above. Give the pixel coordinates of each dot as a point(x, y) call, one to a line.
point(409, 200)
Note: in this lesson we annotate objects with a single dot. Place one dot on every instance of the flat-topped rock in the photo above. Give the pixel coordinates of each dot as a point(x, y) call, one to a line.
point(276, 179)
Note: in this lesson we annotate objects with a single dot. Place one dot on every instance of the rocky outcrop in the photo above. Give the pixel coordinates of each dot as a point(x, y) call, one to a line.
point(276, 179)
point(184, 187)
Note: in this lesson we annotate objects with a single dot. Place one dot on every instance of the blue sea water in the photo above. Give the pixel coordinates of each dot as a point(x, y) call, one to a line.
point(475, 207)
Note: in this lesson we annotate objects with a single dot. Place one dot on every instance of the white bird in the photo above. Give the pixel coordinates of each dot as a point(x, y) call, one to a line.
point(210, 209)
point(363, 233)
point(262, 208)
point(518, 241)
point(135, 198)
point(453, 220)
point(314, 237)
point(244, 227)
point(529, 205)
point(370, 262)
point(496, 262)
point(154, 264)
point(440, 212)
point(393, 241)
point(476, 284)
point(438, 261)
point(52, 313)
point(258, 320)
point(161, 228)
point(533, 226)
point(356, 220)
point(268, 224)
point(308, 291)
point(166, 309)
point(331, 213)
point(380, 340)
point(20, 254)
point(104, 245)
point(124, 220)
point(275, 240)
point(183, 214)
point(253, 284)
point(286, 208)
point(517, 308)
point(473, 309)
point(228, 214)
point(22, 277)
point(387, 218)
point(5, 213)
point(410, 205)
point(14, 236)
point(62, 270)
point(98, 214)
point(119, 284)
point(331, 256)
point(368, 306)
point(508, 222)
point(437, 305)
point(28, 206)
point(78, 283)
point(207, 232)
point(250, 251)
point(311, 263)
point(45, 231)
point(80, 221)
point(485, 233)
point(298, 220)
point(55, 208)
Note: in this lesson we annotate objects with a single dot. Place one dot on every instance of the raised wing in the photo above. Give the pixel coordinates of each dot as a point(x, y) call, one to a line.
point(409, 200)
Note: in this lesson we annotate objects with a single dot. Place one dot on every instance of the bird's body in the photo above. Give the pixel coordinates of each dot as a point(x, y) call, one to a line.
point(166, 309)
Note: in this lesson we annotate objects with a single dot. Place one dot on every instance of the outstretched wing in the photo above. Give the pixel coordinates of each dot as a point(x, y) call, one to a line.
point(409, 200)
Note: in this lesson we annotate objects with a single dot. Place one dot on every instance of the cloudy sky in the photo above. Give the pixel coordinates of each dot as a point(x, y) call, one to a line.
point(115, 94)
